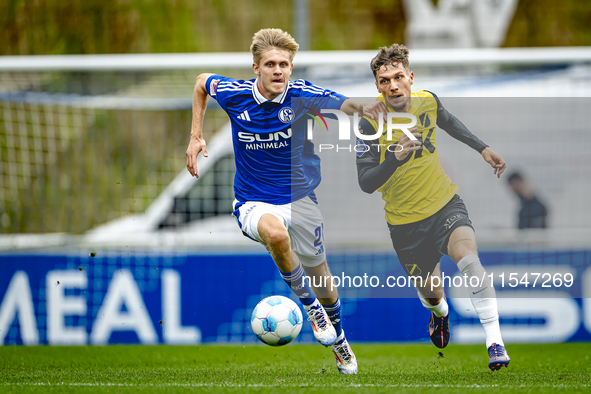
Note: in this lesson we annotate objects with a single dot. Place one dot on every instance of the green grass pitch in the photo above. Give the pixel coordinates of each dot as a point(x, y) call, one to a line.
point(293, 368)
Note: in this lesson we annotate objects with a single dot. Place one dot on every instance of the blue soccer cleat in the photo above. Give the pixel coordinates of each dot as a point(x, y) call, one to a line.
point(498, 357)
point(439, 330)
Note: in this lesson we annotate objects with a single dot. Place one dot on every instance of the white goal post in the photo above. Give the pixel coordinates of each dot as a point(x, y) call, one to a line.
point(180, 61)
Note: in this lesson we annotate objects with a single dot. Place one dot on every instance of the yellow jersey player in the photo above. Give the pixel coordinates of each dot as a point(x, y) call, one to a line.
point(426, 217)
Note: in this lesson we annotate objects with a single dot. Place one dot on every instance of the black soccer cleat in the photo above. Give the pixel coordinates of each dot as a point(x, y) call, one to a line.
point(439, 330)
point(498, 357)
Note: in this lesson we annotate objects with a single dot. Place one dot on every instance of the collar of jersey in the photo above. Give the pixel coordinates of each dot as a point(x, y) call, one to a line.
point(383, 100)
point(260, 99)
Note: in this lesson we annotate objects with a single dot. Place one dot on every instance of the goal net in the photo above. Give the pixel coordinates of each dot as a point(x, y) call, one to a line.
point(78, 149)
point(81, 146)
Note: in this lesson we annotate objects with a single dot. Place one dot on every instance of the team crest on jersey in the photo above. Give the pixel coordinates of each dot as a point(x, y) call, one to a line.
point(412, 269)
point(360, 148)
point(286, 115)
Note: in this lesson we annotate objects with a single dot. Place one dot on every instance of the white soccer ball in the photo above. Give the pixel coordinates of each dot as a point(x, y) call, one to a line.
point(276, 320)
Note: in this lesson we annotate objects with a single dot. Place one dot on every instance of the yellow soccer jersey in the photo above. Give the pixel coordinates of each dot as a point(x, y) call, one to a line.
point(418, 188)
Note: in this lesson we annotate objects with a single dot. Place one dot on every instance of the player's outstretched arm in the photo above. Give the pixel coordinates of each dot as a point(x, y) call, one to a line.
point(370, 108)
point(495, 160)
point(197, 143)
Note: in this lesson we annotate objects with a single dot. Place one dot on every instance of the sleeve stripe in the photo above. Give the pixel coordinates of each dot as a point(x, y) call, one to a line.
point(321, 92)
point(235, 83)
point(226, 86)
point(301, 85)
point(233, 89)
point(310, 89)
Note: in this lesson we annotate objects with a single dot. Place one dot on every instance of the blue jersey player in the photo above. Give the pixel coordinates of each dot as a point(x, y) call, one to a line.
point(277, 172)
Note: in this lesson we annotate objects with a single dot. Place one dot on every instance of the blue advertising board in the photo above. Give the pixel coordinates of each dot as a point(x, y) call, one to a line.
point(150, 298)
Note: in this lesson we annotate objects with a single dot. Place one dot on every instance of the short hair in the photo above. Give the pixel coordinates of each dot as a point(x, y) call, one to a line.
point(516, 176)
point(393, 55)
point(267, 39)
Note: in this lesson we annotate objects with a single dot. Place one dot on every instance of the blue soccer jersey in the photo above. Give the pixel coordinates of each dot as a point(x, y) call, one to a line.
point(275, 162)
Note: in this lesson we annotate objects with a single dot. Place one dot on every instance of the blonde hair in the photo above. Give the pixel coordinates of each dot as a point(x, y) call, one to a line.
point(267, 39)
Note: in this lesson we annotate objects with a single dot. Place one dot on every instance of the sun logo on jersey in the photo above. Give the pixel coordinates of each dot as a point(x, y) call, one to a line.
point(317, 117)
point(286, 115)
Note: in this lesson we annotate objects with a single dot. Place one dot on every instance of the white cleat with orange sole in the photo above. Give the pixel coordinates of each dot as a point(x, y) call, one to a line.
point(323, 329)
point(346, 360)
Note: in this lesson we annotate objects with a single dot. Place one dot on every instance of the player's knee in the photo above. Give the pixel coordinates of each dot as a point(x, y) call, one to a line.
point(462, 243)
point(277, 238)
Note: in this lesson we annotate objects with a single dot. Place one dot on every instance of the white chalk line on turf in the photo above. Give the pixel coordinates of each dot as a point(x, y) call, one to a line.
point(336, 385)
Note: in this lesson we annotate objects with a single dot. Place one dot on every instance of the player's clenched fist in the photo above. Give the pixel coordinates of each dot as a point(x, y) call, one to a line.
point(406, 145)
point(196, 145)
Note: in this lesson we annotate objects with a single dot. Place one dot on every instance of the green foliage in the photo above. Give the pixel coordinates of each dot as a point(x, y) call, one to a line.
point(35, 27)
point(550, 23)
point(110, 164)
point(135, 26)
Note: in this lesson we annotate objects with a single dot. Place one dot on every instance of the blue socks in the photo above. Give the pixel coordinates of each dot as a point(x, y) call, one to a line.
point(334, 314)
point(300, 287)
